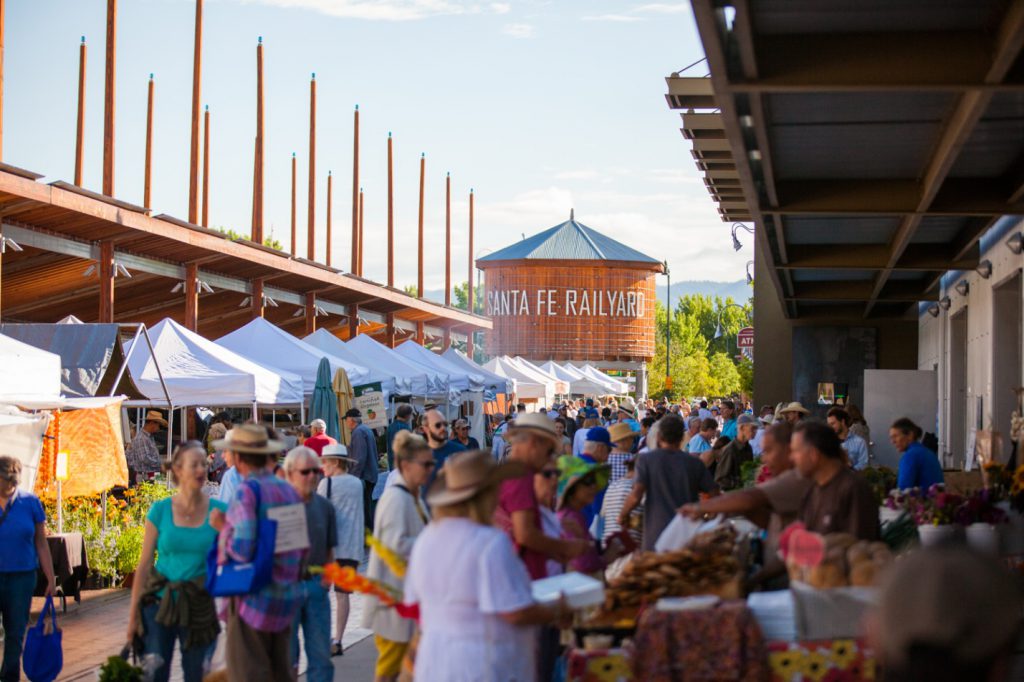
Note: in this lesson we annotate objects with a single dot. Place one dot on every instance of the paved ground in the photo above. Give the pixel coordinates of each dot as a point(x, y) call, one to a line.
point(95, 629)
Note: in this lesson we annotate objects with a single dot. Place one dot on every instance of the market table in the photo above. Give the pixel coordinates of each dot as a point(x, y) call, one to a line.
point(70, 566)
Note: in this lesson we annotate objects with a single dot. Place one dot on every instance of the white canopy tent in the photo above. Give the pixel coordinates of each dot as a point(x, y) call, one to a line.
point(459, 377)
point(332, 345)
point(579, 383)
point(276, 349)
point(29, 373)
point(197, 371)
point(527, 384)
point(561, 386)
point(492, 381)
point(414, 378)
point(614, 386)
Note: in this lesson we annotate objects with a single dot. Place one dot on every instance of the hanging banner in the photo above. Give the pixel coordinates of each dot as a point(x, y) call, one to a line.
point(369, 400)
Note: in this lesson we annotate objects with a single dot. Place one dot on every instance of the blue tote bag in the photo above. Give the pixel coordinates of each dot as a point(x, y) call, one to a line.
point(236, 578)
point(43, 657)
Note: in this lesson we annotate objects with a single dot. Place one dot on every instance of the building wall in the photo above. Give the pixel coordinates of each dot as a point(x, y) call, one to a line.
point(571, 310)
point(976, 346)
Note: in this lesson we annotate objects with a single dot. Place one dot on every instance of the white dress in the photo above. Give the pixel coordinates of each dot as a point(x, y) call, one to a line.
point(347, 499)
point(462, 575)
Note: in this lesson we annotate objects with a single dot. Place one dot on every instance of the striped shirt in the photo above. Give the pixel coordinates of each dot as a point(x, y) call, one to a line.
point(273, 608)
point(614, 500)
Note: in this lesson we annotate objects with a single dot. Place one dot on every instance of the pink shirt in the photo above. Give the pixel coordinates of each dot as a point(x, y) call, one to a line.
point(516, 494)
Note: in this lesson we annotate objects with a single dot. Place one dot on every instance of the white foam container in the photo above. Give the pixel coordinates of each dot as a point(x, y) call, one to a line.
point(581, 591)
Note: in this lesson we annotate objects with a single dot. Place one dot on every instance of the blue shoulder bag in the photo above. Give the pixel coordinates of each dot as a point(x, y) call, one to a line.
point(43, 657)
point(235, 578)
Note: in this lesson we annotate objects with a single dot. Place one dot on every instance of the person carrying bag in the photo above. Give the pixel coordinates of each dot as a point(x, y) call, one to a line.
point(43, 657)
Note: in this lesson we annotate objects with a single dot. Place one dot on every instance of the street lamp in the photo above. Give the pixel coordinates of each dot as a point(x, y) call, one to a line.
point(719, 333)
point(750, 277)
point(668, 329)
point(736, 245)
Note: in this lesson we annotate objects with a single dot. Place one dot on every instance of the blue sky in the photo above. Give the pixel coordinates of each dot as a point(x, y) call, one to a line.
point(541, 106)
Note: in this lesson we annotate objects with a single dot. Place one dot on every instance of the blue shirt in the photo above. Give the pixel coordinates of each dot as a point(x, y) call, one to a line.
point(729, 429)
point(393, 429)
point(363, 448)
point(857, 448)
point(18, 533)
point(919, 468)
point(698, 445)
point(440, 455)
point(229, 483)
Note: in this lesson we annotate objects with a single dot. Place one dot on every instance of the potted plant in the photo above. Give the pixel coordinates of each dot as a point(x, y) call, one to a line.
point(935, 515)
point(980, 516)
point(1006, 488)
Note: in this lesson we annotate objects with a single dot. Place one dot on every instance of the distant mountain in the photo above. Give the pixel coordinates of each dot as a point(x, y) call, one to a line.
point(740, 291)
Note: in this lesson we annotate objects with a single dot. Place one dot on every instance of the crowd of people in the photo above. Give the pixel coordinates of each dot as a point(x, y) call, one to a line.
point(574, 488)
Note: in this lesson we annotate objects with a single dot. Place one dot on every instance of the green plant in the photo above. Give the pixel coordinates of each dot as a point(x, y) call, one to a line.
point(129, 549)
point(116, 669)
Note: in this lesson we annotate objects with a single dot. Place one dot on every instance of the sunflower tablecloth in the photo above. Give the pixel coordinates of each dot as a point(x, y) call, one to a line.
point(599, 665)
point(839, 660)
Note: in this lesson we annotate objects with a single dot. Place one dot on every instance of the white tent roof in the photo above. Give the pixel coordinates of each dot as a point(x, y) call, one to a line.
point(331, 344)
point(200, 372)
point(28, 372)
point(578, 382)
point(498, 382)
point(459, 377)
point(527, 384)
point(614, 386)
point(275, 348)
point(414, 378)
point(561, 386)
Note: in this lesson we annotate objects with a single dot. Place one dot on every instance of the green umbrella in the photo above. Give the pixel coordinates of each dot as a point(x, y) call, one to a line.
point(324, 404)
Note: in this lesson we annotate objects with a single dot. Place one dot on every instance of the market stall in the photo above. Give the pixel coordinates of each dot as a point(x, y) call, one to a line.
point(614, 386)
point(579, 384)
point(527, 387)
point(561, 387)
point(332, 345)
point(415, 380)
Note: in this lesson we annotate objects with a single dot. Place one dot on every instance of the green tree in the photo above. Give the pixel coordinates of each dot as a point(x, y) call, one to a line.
point(268, 241)
point(410, 289)
point(462, 297)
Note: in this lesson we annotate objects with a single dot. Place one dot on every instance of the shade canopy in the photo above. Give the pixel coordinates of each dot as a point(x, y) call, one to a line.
point(197, 371)
point(613, 385)
point(275, 348)
point(560, 386)
point(459, 376)
point(413, 379)
point(332, 345)
point(28, 372)
point(526, 384)
point(579, 383)
point(492, 381)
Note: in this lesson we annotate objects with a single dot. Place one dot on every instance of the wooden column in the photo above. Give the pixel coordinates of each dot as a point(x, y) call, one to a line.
point(106, 273)
point(193, 163)
point(470, 288)
point(329, 243)
point(419, 241)
point(356, 206)
point(310, 313)
point(311, 208)
point(147, 172)
point(295, 234)
point(446, 339)
point(353, 320)
point(420, 335)
point(391, 214)
point(257, 175)
point(389, 331)
point(108, 101)
point(192, 296)
point(359, 246)
point(206, 167)
point(448, 240)
point(256, 304)
point(2, 12)
point(80, 125)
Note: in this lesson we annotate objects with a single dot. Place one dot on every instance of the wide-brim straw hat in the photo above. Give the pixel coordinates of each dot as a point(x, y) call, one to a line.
point(337, 451)
point(249, 438)
point(155, 416)
point(794, 407)
point(537, 423)
point(573, 470)
point(621, 431)
point(467, 474)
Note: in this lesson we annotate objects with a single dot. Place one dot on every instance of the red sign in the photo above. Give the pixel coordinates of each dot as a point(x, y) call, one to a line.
point(745, 338)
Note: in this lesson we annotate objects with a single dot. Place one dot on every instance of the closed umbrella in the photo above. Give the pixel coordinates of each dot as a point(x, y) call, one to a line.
point(324, 405)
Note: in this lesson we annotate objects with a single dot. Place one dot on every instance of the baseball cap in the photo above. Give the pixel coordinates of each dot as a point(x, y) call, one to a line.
point(747, 418)
point(599, 434)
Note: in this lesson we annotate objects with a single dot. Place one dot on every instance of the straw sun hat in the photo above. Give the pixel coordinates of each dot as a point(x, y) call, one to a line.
point(465, 474)
point(794, 407)
point(155, 416)
point(249, 438)
point(536, 423)
point(621, 431)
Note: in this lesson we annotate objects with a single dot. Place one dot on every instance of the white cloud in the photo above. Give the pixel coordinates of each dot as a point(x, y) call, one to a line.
point(637, 13)
point(388, 10)
point(663, 8)
point(518, 30)
point(621, 18)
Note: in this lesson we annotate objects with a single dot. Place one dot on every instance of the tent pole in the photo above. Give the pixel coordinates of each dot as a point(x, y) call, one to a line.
point(170, 435)
point(254, 410)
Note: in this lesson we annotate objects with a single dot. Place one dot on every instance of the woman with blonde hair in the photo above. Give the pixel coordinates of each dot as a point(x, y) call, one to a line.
point(476, 609)
point(400, 518)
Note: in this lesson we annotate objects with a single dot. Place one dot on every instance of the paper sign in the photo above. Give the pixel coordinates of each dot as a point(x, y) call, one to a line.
point(292, 533)
point(369, 400)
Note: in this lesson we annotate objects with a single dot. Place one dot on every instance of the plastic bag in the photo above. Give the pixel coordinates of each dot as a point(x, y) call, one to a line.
point(681, 530)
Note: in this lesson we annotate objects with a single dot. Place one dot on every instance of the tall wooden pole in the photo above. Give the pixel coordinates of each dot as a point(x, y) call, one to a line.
point(80, 127)
point(328, 259)
point(356, 246)
point(147, 172)
point(391, 214)
point(448, 239)
point(362, 205)
point(311, 208)
point(193, 165)
point(469, 281)
point(419, 255)
point(192, 296)
point(206, 167)
point(107, 273)
point(257, 180)
point(108, 101)
point(2, 12)
point(295, 235)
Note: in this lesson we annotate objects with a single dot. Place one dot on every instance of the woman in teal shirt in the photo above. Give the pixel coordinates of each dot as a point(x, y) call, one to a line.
point(169, 601)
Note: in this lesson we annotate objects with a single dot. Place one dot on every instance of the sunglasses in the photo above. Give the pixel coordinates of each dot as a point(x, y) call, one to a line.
point(549, 473)
point(306, 472)
point(438, 425)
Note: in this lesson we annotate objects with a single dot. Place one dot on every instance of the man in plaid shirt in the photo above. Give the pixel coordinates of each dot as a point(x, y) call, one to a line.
point(258, 625)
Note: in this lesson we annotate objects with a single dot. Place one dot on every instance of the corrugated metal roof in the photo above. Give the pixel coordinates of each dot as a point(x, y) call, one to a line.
point(570, 240)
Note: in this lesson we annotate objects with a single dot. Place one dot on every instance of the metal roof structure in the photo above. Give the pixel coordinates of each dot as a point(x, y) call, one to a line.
point(871, 144)
point(64, 232)
point(570, 240)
